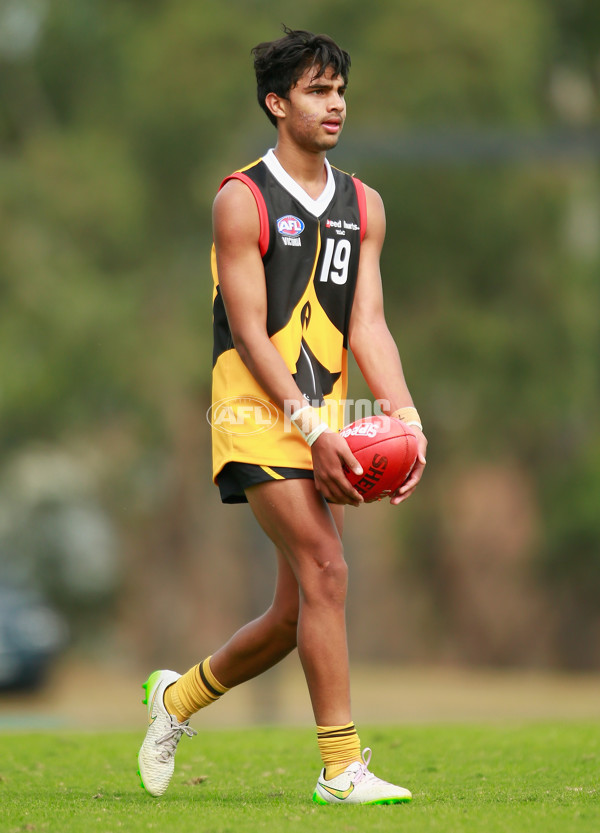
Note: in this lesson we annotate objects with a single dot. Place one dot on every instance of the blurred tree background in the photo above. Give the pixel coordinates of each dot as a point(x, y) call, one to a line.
point(480, 126)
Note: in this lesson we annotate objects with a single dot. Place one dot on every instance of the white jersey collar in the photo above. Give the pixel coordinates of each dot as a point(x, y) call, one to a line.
point(315, 207)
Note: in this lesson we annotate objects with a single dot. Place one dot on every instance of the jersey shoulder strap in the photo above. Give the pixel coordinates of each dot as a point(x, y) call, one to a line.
point(362, 206)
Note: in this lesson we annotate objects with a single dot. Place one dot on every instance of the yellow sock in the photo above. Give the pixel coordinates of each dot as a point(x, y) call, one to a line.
point(194, 690)
point(339, 747)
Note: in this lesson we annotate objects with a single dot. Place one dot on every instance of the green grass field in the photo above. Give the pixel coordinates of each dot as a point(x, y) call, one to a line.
point(535, 777)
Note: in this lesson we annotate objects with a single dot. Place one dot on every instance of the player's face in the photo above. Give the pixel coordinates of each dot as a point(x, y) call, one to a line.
point(316, 110)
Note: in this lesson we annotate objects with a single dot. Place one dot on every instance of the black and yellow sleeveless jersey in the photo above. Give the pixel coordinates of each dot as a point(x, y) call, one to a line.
point(310, 251)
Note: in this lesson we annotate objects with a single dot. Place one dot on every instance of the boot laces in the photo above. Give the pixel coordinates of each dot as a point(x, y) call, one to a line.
point(362, 773)
point(172, 737)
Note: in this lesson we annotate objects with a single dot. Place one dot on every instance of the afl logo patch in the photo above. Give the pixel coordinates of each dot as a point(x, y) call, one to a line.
point(290, 226)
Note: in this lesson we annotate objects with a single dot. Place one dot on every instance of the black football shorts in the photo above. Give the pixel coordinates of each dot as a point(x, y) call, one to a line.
point(235, 478)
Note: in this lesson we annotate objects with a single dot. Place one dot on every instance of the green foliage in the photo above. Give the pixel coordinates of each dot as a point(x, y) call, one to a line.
point(536, 777)
point(439, 64)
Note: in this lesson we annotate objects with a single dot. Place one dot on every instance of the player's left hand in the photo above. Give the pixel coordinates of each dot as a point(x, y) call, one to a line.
point(408, 487)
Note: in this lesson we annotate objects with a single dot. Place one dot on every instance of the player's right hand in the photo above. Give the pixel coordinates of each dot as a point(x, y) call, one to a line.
point(329, 453)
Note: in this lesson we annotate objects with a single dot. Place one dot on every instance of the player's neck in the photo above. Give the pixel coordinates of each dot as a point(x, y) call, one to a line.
point(305, 168)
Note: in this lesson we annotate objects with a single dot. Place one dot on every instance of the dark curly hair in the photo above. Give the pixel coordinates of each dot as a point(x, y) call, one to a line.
point(280, 64)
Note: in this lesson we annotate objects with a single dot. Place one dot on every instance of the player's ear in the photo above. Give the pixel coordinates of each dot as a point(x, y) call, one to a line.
point(276, 105)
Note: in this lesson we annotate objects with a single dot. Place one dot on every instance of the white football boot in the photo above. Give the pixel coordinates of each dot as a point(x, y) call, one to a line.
point(356, 785)
point(156, 758)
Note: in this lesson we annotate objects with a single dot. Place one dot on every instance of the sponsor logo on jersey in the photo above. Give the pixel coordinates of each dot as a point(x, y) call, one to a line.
point(341, 226)
point(290, 226)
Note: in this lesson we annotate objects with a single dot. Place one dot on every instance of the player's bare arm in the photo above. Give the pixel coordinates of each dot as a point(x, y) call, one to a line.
point(242, 283)
point(370, 340)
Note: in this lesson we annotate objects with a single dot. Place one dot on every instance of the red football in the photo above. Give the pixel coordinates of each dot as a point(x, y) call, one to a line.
point(387, 450)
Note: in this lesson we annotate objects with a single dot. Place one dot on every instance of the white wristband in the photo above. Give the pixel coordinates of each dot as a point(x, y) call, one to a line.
point(308, 421)
point(314, 435)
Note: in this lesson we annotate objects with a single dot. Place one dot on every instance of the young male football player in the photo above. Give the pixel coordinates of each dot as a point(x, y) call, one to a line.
point(297, 284)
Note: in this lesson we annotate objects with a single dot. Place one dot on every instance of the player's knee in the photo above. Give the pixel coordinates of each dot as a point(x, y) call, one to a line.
point(327, 582)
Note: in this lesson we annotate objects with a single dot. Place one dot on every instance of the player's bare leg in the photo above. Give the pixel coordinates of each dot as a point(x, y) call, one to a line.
point(253, 649)
point(303, 528)
point(265, 641)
